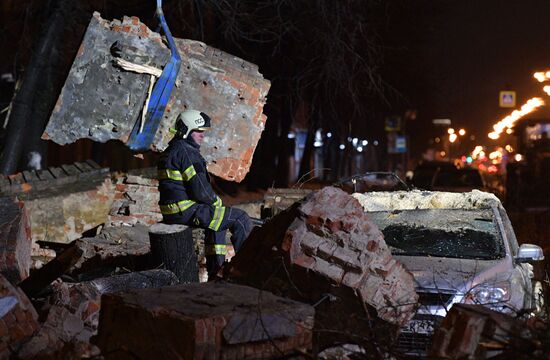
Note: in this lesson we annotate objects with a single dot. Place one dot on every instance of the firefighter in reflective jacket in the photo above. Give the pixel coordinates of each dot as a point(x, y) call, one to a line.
point(186, 196)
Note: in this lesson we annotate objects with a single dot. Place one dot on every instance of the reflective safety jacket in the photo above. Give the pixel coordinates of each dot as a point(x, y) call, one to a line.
point(184, 182)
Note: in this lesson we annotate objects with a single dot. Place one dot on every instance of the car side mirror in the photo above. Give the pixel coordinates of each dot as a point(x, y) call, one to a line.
point(529, 252)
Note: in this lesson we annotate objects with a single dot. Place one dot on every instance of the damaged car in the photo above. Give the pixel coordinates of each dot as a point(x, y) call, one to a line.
point(460, 248)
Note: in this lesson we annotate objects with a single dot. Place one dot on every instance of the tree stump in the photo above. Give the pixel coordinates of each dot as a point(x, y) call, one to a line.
point(172, 248)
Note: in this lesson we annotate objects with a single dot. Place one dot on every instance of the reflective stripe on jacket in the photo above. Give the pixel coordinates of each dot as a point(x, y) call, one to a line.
point(184, 181)
point(215, 249)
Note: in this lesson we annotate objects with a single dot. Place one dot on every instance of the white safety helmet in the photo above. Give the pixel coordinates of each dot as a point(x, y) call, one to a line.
point(190, 120)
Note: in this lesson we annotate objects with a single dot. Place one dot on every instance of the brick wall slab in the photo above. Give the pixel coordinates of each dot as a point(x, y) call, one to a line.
point(203, 321)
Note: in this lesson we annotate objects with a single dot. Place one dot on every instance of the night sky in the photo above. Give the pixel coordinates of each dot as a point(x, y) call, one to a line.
point(447, 59)
point(457, 55)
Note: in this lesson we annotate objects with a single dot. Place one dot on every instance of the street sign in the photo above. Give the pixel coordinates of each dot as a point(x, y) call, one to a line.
point(442, 122)
point(397, 144)
point(507, 99)
point(400, 144)
point(393, 123)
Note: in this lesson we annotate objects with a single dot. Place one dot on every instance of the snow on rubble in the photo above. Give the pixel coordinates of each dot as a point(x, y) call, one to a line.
point(416, 199)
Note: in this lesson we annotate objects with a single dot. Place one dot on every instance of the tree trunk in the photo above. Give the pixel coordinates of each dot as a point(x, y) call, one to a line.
point(33, 102)
point(172, 247)
point(305, 163)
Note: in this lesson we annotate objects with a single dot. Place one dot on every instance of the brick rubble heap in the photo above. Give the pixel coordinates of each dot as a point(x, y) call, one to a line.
point(326, 250)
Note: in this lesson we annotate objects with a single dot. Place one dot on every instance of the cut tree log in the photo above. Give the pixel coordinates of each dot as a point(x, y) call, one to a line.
point(172, 247)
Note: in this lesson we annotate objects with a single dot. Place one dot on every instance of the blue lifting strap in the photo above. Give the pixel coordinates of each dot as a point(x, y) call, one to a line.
point(140, 141)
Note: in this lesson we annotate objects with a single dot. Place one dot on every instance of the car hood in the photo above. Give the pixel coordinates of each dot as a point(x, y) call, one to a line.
point(452, 274)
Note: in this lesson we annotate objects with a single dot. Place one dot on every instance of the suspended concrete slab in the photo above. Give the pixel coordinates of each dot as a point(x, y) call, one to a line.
point(109, 83)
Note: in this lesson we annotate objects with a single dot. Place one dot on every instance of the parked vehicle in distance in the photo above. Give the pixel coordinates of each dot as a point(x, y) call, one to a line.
point(460, 248)
point(446, 176)
point(425, 171)
point(458, 180)
point(528, 175)
point(372, 181)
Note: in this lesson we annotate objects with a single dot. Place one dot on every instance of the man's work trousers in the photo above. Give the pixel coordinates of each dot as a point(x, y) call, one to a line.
point(216, 220)
point(238, 223)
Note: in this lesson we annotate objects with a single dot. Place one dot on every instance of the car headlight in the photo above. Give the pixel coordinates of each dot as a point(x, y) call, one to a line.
point(491, 293)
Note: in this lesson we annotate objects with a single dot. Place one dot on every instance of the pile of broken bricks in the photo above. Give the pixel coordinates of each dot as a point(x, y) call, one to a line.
point(314, 276)
point(308, 272)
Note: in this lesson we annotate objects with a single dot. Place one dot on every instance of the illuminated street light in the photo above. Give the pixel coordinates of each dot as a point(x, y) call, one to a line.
point(542, 76)
point(461, 132)
point(518, 157)
point(364, 142)
point(450, 131)
point(477, 150)
point(508, 122)
point(453, 137)
point(497, 154)
point(342, 146)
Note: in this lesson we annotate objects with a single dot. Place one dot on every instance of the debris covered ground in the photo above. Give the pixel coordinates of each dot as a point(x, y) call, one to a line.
point(321, 263)
point(343, 252)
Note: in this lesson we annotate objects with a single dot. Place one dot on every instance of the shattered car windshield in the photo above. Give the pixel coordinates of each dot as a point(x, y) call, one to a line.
point(455, 233)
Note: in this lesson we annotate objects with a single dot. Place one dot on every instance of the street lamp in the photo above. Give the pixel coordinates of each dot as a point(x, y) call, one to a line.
point(453, 137)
